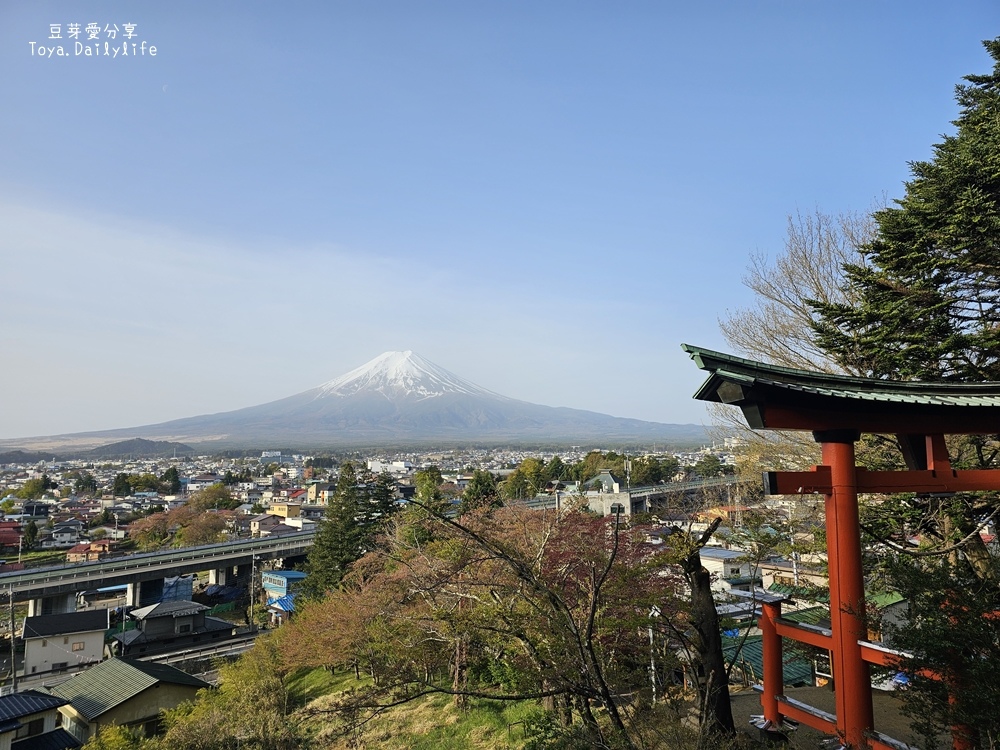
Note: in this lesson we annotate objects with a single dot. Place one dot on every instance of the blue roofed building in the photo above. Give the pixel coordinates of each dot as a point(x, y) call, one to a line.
point(279, 588)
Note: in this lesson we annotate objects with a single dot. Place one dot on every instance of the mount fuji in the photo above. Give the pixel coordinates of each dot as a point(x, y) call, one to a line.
point(396, 398)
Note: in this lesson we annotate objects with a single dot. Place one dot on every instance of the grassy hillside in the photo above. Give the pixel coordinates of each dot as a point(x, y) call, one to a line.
point(427, 723)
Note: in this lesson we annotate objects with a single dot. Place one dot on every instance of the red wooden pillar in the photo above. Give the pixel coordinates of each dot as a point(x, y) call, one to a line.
point(852, 680)
point(773, 673)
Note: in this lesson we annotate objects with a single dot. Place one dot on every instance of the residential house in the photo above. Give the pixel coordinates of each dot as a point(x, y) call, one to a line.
point(202, 481)
point(730, 569)
point(321, 492)
point(732, 515)
point(286, 528)
point(55, 643)
point(286, 509)
point(312, 512)
point(99, 549)
point(252, 497)
point(36, 509)
point(10, 534)
point(66, 533)
point(114, 533)
point(168, 626)
point(604, 483)
point(130, 693)
point(280, 610)
point(793, 573)
point(30, 721)
point(298, 523)
point(262, 524)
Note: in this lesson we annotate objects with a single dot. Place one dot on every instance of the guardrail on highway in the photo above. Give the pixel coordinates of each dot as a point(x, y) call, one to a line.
point(207, 552)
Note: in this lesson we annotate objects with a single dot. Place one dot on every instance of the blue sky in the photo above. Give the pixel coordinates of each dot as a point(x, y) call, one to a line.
point(543, 198)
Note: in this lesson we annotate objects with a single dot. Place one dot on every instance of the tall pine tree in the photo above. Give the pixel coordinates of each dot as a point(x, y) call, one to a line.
point(354, 518)
point(928, 290)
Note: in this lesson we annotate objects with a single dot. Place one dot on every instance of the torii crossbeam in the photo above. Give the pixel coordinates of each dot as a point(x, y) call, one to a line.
point(837, 409)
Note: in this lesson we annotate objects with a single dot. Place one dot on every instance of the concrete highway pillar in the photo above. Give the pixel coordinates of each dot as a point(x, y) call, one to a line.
point(132, 594)
point(243, 572)
point(52, 605)
point(218, 577)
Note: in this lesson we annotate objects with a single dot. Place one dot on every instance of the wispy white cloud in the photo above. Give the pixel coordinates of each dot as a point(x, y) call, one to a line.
point(110, 323)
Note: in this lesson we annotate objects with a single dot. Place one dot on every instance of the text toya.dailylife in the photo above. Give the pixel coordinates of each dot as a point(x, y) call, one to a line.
point(94, 49)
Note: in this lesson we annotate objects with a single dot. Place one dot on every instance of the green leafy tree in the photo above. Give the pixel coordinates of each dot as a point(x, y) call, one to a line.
point(512, 604)
point(428, 486)
point(711, 465)
point(31, 490)
point(480, 492)
point(250, 709)
point(121, 486)
point(517, 486)
point(85, 484)
point(116, 737)
point(429, 495)
point(534, 471)
point(213, 497)
point(30, 534)
point(201, 528)
point(648, 470)
point(170, 481)
point(151, 532)
point(144, 482)
point(101, 519)
point(556, 469)
point(36, 488)
point(595, 462)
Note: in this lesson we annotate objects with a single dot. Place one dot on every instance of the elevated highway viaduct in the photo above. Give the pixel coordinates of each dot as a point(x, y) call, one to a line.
point(54, 589)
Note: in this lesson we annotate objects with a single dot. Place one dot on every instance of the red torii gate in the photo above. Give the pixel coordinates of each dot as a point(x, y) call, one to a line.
point(837, 409)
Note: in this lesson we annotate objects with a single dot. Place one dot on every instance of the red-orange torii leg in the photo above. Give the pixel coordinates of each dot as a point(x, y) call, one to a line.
point(852, 680)
point(773, 671)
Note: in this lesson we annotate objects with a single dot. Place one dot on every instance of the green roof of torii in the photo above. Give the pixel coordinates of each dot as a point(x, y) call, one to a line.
point(774, 397)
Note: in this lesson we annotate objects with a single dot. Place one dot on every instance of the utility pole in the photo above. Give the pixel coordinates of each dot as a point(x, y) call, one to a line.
point(13, 652)
point(253, 581)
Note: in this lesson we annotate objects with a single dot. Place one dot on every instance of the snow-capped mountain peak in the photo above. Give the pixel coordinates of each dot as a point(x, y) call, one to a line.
point(400, 374)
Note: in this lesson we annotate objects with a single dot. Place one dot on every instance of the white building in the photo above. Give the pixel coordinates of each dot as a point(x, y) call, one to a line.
point(58, 643)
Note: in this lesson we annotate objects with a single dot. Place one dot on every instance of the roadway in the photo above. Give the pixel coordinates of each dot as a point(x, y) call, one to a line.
point(545, 502)
point(38, 583)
